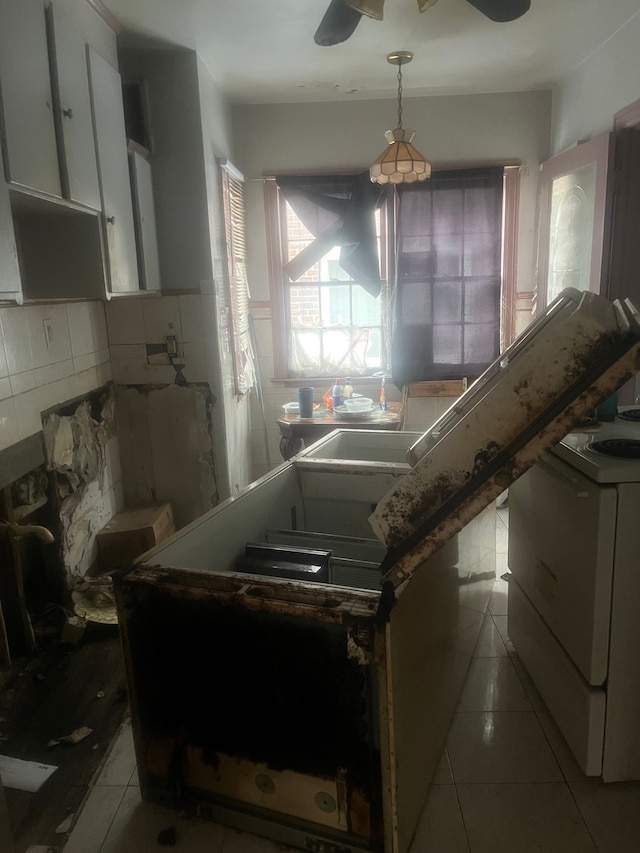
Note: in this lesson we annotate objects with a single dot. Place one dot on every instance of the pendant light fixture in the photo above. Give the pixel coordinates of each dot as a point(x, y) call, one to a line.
point(400, 162)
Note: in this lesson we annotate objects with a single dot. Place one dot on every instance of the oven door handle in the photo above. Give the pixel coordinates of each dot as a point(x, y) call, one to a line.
point(573, 484)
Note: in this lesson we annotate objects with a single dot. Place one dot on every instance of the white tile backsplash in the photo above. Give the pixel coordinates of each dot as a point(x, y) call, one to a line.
point(22, 382)
point(9, 433)
point(90, 359)
point(161, 318)
point(15, 330)
point(87, 327)
point(125, 323)
point(54, 372)
point(27, 409)
point(192, 318)
point(195, 362)
point(49, 334)
point(4, 366)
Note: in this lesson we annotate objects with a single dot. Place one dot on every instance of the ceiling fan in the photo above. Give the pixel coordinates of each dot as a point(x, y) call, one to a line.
point(343, 16)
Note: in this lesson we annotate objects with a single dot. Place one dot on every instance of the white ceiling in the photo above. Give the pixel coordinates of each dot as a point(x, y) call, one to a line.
point(262, 51)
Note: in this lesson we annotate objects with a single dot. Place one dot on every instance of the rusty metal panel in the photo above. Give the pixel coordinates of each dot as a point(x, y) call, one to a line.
point(505, 431)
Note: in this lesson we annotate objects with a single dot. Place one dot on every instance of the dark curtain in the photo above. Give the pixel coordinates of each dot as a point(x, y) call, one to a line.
point(448, 276)
point(339, 210)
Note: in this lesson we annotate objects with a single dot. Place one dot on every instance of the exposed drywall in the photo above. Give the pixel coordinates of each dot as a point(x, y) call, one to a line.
point(166, 447)
point(81, 450)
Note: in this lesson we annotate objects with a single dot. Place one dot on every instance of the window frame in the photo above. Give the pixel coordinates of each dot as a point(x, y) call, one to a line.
point(276, 230)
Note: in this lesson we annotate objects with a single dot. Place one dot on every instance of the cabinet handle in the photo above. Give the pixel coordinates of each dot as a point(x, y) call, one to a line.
point(111, 219)
point(68, 113)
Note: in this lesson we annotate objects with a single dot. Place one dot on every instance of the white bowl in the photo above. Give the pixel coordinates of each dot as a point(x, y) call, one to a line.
point(358, 404)
point(291, 408)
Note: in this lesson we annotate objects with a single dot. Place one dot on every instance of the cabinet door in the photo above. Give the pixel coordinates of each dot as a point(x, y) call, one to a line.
point(145, 219)
point(28, 130)
point(10, 287)
point(78, 165)
point(113, 170)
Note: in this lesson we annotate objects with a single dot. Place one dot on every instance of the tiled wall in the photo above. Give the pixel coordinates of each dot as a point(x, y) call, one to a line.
point(49, 354)
point(135, 322)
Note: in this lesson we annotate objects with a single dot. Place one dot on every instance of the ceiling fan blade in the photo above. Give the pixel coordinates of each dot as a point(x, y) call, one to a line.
point(338, 23)
point(502, 10)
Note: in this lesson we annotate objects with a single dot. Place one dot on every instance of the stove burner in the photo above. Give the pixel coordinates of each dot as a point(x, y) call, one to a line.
point(630, 415)
point(623, 448)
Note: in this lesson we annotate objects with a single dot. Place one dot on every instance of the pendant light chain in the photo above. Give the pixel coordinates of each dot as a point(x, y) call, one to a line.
point(400, 94)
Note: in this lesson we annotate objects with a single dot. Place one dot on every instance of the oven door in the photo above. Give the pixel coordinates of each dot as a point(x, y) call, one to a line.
point(561, 551)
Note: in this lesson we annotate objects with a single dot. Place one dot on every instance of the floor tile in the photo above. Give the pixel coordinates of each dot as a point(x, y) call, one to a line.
point(537, 702)
point(121, 760)
point(95, 819)
point(490, 643)
point(241, 842)
point(443, 775)
point(526, 818)
point(502, 536)
point(441, 829)
point(498, 600)
point(612, 814)
point(501, 746)
point(476, 595)
point(492, 685)
point(500, 621)
point(136, 826)
point(570, 768)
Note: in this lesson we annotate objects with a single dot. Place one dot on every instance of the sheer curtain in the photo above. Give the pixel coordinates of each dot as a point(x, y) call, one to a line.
point(448, 276)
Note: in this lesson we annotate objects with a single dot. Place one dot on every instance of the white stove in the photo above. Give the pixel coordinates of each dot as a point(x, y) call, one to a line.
point(582, 448)
point(574, 596)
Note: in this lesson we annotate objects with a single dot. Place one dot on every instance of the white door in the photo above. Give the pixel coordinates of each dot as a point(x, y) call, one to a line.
point(574, 217)
point(79, 167)
point(32, 157)
point(113, 168)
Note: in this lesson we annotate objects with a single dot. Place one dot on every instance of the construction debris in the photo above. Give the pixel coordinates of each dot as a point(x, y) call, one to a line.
point(73, 738)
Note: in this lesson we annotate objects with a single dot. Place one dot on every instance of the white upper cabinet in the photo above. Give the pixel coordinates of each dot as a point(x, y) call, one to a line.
point(113, 168)
point(10, 287)
point(145, 219)
point(31, 157)
point(72, 103)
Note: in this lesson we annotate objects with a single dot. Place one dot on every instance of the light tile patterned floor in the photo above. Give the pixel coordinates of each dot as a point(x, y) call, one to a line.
point(506, 783)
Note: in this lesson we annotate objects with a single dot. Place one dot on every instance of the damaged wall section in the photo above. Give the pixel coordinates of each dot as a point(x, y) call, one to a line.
point(81, 450)
point(166, 447)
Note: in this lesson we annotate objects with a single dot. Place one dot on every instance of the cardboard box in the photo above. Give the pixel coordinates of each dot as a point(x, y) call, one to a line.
point(132, 532)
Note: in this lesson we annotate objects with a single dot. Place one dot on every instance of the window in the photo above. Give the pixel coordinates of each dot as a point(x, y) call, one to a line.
point(449, 271)
point(334, 319)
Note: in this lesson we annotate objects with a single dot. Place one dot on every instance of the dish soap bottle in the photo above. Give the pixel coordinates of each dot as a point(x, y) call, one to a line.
point(383, 398)
point(348, 388)
point(337, 394)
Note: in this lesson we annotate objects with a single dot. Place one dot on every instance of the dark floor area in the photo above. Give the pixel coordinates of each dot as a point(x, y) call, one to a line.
point(53, 693)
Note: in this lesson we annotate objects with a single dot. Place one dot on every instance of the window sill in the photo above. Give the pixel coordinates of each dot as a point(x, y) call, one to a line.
point(326, 381)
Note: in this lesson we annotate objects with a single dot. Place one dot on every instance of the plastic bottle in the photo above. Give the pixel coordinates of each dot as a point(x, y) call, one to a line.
point(338, 394)
point(348, 388)
point(383, 398)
